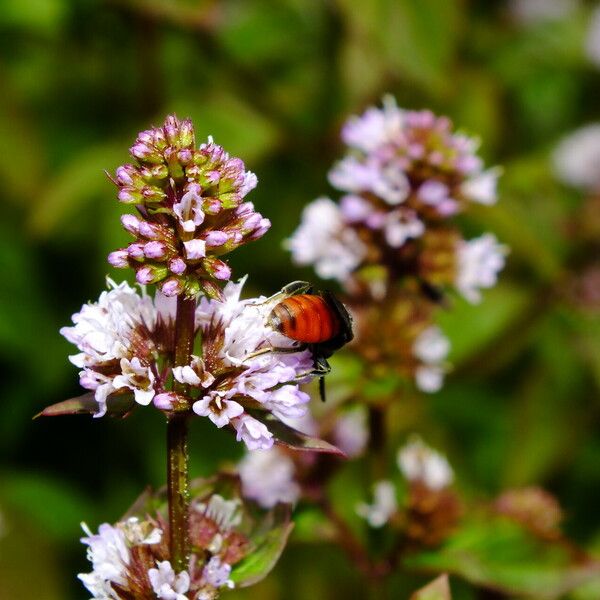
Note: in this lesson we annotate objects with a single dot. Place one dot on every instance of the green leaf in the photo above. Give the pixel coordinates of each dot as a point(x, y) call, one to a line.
point(438, 589)
point(118, 405)
point(259, 563)
point(292, 438)
point(497, 553)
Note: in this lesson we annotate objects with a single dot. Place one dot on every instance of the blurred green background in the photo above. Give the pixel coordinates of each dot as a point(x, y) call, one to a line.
point(273, 82)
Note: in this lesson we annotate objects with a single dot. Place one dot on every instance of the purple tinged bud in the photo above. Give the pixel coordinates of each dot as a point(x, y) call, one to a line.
point(136, 251)
point(129, 196)
point(212, 206)
point(140, 150)
point(131, 224)
point(184, 156)
point(125, 174)
point(186, 133)
point(155, 249)
point(212, 177)
point(172, 287)
point(177, 266)
point(265, 225)
point(150, 274)
point(217, 268)
point(244, 209)
point(195, 249)
point(194, 187)
point(236, 237)
point(150, 231)
point(146, 137)
point(119, 259)
point(144, 275)
point(152, 194)
point(252, 221)
point(171, 129)
point(216, 238)
point(164, 401)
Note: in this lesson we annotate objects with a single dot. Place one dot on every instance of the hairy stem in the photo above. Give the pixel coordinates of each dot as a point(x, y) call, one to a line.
point(177, 450)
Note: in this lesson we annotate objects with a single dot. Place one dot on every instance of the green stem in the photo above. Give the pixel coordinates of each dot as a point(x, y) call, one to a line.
point(177, 450)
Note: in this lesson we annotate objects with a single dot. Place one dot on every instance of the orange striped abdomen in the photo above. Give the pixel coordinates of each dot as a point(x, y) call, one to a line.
point(305, 318)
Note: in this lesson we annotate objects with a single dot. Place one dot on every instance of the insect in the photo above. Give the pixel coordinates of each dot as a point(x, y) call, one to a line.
point(315, 319)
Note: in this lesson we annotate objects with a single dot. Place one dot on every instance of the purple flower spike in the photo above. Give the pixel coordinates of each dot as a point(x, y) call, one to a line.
point(191, 205)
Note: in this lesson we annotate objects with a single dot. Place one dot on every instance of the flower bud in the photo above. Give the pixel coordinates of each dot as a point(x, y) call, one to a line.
point(195, 249)
point(136, 251)
point(170, 401)
point(155, 249)
point(171, 129)
point(145, 153)
point(217, 268)
point(119, 259)
point(130, 223)
point(126, 174)
point(177, 266)
point(216, 238)
point(150, 231)
point(186, 133)
point(153, 194)
point(172, 286)
point(150, 274)
point(129, 195)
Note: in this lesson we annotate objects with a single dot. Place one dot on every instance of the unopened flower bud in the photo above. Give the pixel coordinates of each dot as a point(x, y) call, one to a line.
point(129, 195)
point(195, 249)
point(186, 133)
point(217, 268)
point(263, 227)
point(177, 266)
point(153, 194)
point(150, 274)
point(170, 401)
point(136, 251)
point(212, 206)
point(150, 231)
point(155, 249)
point(154, 172)
point(171, 128)
point(125, 174)
point(119, 259)
point(185, 156)
point(130, 223)
point(172, 286)
point(216, 238)
point(145, 153)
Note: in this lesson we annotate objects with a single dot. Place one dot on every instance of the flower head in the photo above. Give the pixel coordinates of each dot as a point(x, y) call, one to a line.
point(406, 174)
point(126, 341)
point(191, 208)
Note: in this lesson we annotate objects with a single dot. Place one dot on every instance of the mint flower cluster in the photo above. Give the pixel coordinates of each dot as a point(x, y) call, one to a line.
point(126, 342)
point(392, 241)
point(190, 210)
point(406, 174)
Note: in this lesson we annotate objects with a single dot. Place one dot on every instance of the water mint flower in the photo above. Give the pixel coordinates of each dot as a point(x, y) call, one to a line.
point(431, 348)
point(407, 173)
point(268, 477)
point(479, 261)
point(418, 462)
point(190, 209)
point(126, 346)
point(166, 584)
point(384, 504)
